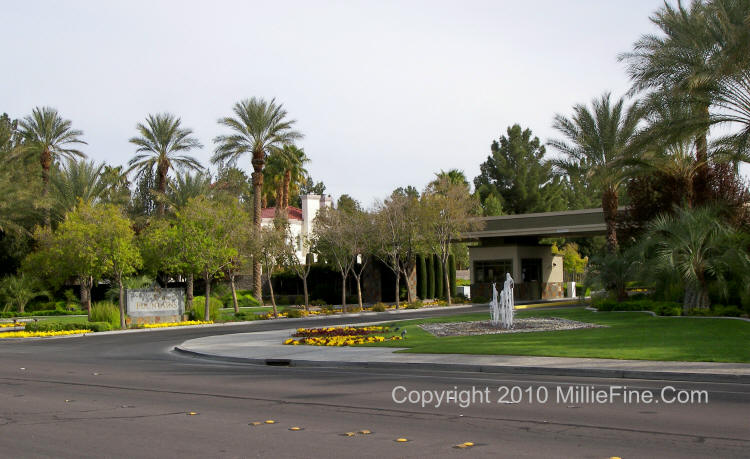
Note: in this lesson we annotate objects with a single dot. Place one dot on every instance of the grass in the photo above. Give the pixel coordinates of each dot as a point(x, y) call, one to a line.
point(629, 335)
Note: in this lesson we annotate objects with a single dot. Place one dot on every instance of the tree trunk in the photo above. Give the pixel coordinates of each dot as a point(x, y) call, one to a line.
point(207, 308)
point(86, 283)
point(700, 183)
point(46, 162)
point(161, 186)
point(609, 206)
point(234, 294)
point(189, 292)
point(122, 302)
point(343, 292)
point(257, 177)
point(398, 286)
point(287, 181)
point(359, 290)
point(447, 282)
point(273, 299)
point(304, 289)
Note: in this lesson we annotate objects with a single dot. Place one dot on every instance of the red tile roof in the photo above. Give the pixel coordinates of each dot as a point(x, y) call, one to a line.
point(293, 213)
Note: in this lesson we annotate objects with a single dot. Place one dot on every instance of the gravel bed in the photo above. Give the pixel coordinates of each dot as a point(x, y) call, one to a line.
point(484, 327)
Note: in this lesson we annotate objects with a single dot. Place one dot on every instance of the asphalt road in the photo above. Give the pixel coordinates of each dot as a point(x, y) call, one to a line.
point(130, 395)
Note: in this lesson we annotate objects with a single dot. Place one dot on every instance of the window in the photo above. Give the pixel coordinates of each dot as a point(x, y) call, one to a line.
point(492, 270)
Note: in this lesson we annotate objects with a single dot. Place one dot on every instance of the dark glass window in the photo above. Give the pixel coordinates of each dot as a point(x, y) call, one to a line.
point(488, 271)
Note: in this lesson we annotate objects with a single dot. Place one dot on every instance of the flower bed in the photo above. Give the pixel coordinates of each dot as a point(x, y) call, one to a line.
point(38, 334)
point(177, 324)
point(12, 324)
point(341, 336)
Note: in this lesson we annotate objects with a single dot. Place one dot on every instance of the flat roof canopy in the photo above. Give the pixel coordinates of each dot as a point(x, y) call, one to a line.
point(571, 223)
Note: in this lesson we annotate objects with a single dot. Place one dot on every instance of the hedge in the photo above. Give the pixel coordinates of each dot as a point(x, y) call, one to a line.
point(48, 326)
point(430, 276)
point(439, 278)
point(452, 271)
point(665, 308)
point(421, 277)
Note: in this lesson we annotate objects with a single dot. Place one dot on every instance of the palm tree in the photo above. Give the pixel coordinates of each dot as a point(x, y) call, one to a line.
point(684, 64)
point(454, 176)
point(292, 161)
point(19, 290)
point(614, 271)
point(161, 145)
point(186, 186)
point(258, 128)
point(693, 243)
point(47, 136)
point(598, 150)
point(77, 180)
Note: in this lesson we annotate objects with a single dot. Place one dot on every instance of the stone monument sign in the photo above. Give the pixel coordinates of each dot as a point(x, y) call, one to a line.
point(145, 306)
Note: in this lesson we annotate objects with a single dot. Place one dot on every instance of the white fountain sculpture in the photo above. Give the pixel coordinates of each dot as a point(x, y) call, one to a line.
point(501, 310)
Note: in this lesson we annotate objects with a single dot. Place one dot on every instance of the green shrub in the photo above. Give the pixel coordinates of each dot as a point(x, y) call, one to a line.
point(463, 282)
point(105, 311)
point(199, 307)
point(727, 311)
point(293, 313)
point(353, 308)
point(245, 316)
point(414, 305)
point(318, 303)
point(299, 300)
point(101, 326)
point(51, 326)
point(379, 307)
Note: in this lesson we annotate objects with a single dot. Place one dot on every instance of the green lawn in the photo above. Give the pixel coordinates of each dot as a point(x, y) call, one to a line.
point(630, 335)
point(64, 319)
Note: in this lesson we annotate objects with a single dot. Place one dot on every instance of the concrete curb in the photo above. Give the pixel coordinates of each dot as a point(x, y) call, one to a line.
point(496, 369)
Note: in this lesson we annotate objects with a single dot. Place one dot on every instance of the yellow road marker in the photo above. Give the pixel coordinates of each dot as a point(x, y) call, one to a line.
point(402, 440)
point(467, 444)
point(349, 434)
point(270, 421)
point(255, 423)
point(191, 413)
point(295, 429)
point(365, 432)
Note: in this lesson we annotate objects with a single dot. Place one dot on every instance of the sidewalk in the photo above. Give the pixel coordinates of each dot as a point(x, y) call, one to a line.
point(266, 348)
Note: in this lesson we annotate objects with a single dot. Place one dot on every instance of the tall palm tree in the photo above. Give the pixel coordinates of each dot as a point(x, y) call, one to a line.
point(258, 127)
point(161, 145)
point(598, 148)
point(682, 63)
point(47, 136)
point(293, 161)
point(77, 180)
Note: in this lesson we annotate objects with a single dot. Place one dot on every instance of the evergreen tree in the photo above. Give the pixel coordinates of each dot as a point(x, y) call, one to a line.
point(421, 277)
point(517, 174)
point(439, 287)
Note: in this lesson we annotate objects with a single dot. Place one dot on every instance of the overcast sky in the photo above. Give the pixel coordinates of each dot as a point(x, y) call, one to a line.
point(386, 92)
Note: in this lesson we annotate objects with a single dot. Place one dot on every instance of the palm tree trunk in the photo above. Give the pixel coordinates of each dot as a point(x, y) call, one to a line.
point(46, 162)
point(161, 186)
point(257, 178)
point(700, 183)
point(609, 206)
point(287, 182)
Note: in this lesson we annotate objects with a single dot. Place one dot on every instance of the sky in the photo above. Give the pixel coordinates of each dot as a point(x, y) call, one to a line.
point(386, 93)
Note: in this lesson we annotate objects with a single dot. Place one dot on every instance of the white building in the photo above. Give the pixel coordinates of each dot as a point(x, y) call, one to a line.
point(300, 220)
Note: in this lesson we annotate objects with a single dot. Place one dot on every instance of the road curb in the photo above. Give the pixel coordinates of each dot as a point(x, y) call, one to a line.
point(495, 369)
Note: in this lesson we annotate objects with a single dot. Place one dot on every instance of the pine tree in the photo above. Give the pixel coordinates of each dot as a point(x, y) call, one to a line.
point(517, 174)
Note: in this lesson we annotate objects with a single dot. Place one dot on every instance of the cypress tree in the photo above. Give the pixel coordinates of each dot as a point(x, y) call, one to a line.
point(452, 271)
point(430, 276)
point(421, 277)
point(439, 279)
